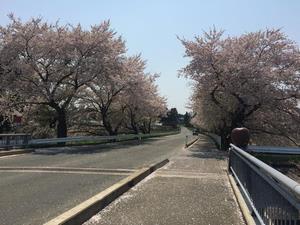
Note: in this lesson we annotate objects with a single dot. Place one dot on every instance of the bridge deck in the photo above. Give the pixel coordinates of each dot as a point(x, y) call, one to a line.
point(192, 189)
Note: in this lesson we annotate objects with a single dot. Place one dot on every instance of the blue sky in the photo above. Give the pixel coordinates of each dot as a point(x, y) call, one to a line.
point(150, 27)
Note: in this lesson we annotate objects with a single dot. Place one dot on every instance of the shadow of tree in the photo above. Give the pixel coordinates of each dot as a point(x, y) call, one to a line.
point(205, 149)
point(207, 155)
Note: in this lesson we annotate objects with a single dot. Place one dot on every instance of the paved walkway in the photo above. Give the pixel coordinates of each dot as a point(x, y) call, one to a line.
point(192, 189)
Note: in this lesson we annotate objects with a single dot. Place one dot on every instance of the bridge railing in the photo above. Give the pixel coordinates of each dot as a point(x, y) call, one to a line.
point(273, 197)
point(274, 150)
point(10, 140)
point(71, 139)
point(97, 138)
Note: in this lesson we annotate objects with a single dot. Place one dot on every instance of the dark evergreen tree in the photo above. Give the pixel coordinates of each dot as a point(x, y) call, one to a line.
point(171, 118)
point(187, 119)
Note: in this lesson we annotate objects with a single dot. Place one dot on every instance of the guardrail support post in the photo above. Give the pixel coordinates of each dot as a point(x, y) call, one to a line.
point(186, 140)
point(240, 137)
point(229, 160)
point(7, 140)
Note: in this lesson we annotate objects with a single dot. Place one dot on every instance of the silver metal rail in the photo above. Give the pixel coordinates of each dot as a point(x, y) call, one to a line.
point(274, 150)
point(96, 138)
point(273, 197)
point(71, 139)
point(10, 140)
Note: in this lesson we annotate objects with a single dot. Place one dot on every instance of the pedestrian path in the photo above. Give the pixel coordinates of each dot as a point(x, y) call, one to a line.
point(192, 189)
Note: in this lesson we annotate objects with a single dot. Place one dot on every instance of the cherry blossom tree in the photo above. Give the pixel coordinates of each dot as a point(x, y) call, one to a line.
point(49, 63)
point(60, 75)
point(252, 80)
point(103, 96)
point(144, 105)
point(122, 93)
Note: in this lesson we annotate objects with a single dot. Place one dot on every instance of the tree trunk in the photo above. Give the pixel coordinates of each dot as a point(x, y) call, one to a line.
point(61, 128)
point(143, 128)
point(149, 126)
point(107, 124)
point(134, 128)
point(133, 124)
point(117, 127)
point(225, 141)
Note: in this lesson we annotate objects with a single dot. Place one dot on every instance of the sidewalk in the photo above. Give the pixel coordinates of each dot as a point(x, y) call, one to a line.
point(192, 189)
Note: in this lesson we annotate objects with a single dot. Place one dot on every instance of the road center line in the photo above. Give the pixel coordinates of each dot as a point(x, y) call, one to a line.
point(9, 156)
point(64, 172)
point(69, 170)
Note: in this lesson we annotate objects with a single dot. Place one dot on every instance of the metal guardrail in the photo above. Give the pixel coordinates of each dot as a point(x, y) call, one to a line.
point(273, 197)
point(10, 140)
point(96, 138)
point(71, 139)
point(274, 150)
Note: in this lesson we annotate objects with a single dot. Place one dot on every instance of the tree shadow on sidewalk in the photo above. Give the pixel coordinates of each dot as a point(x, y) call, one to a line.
point(205, 149)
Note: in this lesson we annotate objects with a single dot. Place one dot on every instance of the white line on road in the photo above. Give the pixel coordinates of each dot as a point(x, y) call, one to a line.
point(207, 176)
point(64, 172)
point(188, 174)
point(86, 169)
point(69, 170)
point(8, 156)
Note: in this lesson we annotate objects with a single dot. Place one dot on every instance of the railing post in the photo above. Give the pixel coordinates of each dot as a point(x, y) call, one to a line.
point(25, 140)
point(7, 140)
point(240, 137)
point(229, 159)
point(186, 140)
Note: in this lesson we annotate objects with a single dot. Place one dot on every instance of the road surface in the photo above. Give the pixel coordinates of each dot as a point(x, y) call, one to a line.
point(40, 186)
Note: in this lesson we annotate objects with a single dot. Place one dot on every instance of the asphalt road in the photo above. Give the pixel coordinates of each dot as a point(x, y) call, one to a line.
point(37, 187)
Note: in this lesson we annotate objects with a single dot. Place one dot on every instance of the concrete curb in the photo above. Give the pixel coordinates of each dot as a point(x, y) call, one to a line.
point(242, 204)
point(85, 210)
point(15, 152)
point(191, 143)
point(158, 165)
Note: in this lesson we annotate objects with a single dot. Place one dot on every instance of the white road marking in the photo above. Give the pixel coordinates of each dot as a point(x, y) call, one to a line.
point(8, 156)
point(68, 170)
point(64, 172)
point(206, 176)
